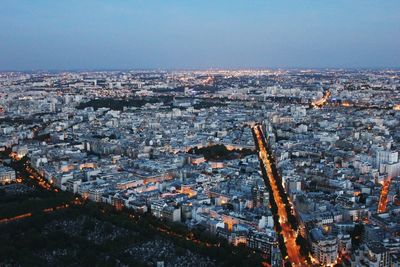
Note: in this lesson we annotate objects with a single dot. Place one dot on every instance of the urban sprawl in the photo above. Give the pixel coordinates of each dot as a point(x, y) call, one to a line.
point(299, 165)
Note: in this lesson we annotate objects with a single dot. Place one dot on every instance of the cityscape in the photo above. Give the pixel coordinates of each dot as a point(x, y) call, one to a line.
point(153, 133)
point(300, 167)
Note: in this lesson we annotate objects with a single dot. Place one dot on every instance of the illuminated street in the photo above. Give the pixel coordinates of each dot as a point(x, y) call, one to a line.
point(323, 101)
point(383, 199)
point(32, 173)
point(288, 233)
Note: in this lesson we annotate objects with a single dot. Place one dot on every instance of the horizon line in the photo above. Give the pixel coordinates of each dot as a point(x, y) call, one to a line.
point(193, 69)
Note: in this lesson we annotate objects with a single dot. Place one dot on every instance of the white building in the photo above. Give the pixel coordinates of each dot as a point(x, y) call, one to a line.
point(7, 175)
point(372, 254)
point(324, 248)
point(384, 156)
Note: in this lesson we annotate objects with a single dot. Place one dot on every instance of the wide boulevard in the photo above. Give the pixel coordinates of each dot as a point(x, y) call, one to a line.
point(289, 234)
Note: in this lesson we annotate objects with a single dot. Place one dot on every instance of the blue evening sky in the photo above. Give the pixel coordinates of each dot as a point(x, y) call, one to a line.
point(176, 34)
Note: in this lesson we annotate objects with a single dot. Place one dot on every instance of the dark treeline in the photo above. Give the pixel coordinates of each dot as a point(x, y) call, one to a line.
point(22, 242)
point(138, 102)
point(119, 104)
point(221, 152)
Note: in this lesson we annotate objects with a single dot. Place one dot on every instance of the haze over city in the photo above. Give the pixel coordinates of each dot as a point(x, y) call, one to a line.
point(139, 34)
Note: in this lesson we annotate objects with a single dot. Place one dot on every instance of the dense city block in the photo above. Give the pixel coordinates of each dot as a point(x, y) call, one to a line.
point(277, 167)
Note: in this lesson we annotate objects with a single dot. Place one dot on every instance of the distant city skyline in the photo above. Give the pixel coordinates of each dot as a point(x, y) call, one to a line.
point(236, 34)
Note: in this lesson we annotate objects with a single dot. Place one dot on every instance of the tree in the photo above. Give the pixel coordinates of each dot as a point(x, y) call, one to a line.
point(356, 235)
point(303, 244)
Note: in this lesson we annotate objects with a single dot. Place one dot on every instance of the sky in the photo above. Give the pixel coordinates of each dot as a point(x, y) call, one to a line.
point(198, 34)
